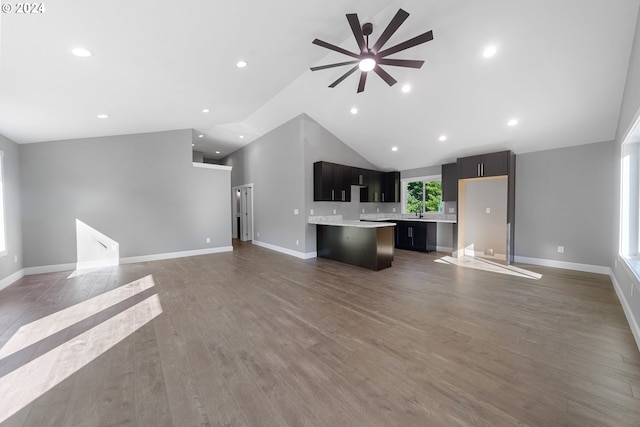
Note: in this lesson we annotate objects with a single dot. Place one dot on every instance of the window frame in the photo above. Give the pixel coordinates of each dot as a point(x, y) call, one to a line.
point(403, 191)
point(3, 210)
point(629, 238)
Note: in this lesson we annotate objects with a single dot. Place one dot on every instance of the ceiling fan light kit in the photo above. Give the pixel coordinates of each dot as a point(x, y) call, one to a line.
point(371, 58)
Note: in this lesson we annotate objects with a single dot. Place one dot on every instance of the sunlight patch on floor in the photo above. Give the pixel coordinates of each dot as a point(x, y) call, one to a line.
point(486, 265)
point(30, 381)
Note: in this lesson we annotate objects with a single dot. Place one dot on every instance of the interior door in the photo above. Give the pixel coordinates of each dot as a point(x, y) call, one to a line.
point(246, 209)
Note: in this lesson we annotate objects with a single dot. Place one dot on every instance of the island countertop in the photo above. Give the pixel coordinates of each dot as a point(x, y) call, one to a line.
point(338, 221)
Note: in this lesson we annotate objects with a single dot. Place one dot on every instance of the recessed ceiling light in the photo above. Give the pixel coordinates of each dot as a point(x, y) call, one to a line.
point(241, 137)
point(406, 88)
point(102, 116)
point(241, 64)
point(200, 136)
point(442, 138)
point(206, 110)
point(512, 122)
point(489, 51)
point(217, 152)
point(354, 110)
point(81, 52)
point(394, 148)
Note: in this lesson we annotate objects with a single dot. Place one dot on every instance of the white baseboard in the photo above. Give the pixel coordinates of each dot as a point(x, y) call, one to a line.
point(170, 255)
point(633, 322)
point(129, 260)
point(10, 279)
point(564, 264)
point(444, 249)
point(301, 255)
point(49, 269)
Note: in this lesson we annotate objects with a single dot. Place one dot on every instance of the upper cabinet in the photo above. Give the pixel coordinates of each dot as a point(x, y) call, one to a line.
point(450, 182)
point(493, 164)
point(391, 187)
point(331, 182)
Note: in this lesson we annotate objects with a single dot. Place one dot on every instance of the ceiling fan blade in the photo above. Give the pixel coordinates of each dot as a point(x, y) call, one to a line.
point(393, 26)
point(337, 64)
point(344, 76)
point(422, 38)
point(335, 48)
point(363, 80)
point(357, 31)
point(385, 76)
point(409, 63)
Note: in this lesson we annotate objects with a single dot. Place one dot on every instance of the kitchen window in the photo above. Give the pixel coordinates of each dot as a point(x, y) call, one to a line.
point(422, 194)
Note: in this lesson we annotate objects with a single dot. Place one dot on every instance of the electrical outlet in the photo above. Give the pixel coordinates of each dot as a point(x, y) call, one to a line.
point(311, 212)
point(258, 234)
point(208, 239)
point(363, 210)
point(560, 249)
point(452, 210)
point(296, 211)
point(488, 210)
point(15, 259)
point(377, 209)
point(334, 211)
point(297, 242)
point(394, 210)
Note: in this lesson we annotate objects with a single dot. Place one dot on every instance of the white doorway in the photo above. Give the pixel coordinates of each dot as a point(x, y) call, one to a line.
point(242, 224)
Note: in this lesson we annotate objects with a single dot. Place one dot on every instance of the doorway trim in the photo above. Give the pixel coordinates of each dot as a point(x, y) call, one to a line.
point(233, 209)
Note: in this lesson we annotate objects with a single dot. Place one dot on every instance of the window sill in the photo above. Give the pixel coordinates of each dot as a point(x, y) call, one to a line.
point(633, 262)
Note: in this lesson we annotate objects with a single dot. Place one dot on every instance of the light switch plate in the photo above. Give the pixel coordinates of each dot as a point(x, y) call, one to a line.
point(334, 211)
point(452, 210)
point(296, 211)
point(377, 209)
point(488, 210)
point(560, 249)
point(311, 212)
point(394, 210)
point(208, 239)
point(362, 210)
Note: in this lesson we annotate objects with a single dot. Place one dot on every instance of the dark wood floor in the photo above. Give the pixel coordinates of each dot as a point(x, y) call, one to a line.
point(259, 338)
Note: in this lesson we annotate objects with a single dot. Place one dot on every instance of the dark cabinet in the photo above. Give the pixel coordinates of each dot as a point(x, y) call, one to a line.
point(391, 187)
point(493, 164)
point(416, 236)
point(331, 182)
point(450, 182)
point(372, 192)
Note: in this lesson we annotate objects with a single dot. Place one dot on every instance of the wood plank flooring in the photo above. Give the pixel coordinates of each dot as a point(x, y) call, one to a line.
point(257, 338)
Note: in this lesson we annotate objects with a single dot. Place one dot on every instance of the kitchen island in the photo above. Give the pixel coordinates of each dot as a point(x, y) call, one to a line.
point(360, 243)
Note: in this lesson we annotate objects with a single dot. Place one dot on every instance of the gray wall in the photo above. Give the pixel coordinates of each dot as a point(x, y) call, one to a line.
point(140, 190)
point(280, 165)
point(320, 144)
point(564, 198)
point(274, 164)
point(486, 230)
point(13, 226)
point(629, 112)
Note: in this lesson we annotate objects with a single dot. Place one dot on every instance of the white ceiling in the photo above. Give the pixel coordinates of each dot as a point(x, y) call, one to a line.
point(560, 70)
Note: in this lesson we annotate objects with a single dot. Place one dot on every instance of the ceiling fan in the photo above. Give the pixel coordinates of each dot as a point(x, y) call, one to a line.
point(370, 58)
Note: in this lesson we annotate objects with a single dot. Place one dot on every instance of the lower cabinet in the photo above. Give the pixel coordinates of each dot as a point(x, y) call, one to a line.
point(416, 236)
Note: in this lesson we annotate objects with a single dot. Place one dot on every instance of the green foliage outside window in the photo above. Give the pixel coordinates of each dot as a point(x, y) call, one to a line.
point(419, 201)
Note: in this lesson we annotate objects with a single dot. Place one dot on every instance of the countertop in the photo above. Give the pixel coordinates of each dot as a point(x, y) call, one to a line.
point(427, 217)
point(336, 220)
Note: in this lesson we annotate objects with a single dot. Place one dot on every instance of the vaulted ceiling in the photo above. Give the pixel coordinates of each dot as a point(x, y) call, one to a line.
point(559, 69)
